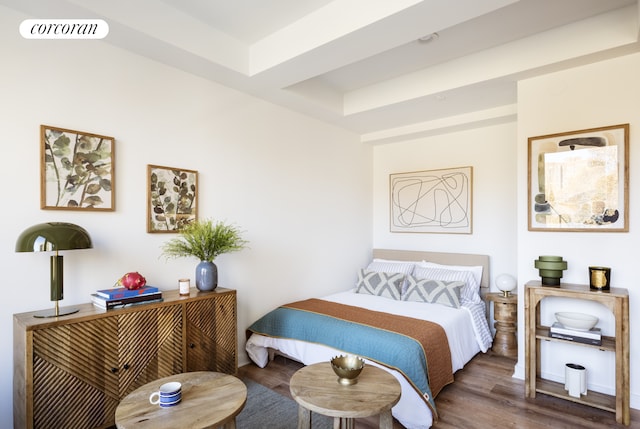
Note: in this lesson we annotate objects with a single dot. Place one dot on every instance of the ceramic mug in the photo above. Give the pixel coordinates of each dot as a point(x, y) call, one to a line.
point(168, 395)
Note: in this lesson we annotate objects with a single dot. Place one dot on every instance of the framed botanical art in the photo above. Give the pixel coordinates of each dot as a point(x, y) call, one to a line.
point(578, 180)
point(77, 170)
point(171, 198)
point(435, 201)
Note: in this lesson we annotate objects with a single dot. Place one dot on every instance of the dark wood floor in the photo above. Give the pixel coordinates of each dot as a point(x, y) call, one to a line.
point(484, 395)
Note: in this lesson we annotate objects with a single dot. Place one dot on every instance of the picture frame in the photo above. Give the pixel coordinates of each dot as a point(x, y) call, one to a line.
point(77, 170)
point(432, 201)
point(172, 198)
point(578, 181)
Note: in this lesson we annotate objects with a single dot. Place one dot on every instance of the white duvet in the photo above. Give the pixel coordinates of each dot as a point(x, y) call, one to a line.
point(467, 334)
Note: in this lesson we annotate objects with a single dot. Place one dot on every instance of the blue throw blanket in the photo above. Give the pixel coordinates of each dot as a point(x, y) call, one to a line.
point(394, 350)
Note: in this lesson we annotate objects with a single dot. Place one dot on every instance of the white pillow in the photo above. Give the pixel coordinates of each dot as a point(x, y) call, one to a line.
point(476, 270)
point(389, 266)
point(471, 289)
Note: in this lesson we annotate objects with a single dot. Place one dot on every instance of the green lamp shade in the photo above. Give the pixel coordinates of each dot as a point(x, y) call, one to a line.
point(53, 236)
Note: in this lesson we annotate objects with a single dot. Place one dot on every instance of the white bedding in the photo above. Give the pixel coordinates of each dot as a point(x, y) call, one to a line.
point(466, 335)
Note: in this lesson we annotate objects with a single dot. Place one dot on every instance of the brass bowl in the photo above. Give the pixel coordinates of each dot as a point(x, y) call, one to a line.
point(347, 368)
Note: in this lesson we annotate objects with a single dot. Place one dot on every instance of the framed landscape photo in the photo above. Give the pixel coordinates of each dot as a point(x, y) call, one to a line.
point(432, 201)
point(171, 198)
point(579, 180)
point(77, 170)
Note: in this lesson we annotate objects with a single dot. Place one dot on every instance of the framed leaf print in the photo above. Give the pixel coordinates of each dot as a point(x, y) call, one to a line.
point(76, 170)
point(171, 198)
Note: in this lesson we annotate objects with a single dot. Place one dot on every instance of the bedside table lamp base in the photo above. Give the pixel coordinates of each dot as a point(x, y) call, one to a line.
point(56, 311)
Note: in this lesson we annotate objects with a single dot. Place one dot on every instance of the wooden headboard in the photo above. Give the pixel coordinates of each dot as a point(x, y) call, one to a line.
point(441, 258)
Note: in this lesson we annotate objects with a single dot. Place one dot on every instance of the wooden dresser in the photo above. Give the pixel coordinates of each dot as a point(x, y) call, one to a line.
point(72, 371)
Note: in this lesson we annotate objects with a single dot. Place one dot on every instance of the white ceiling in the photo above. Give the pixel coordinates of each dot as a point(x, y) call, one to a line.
point(359, 63)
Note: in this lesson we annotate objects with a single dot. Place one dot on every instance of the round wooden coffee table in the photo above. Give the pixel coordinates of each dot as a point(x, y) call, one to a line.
point(316, 388)
point(209, 400)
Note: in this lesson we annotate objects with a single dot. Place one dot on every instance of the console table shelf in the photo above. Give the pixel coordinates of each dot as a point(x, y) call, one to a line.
point(617, 301)
point(608, 343)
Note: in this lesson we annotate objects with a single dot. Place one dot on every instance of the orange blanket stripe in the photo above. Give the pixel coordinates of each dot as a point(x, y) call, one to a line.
point(430, 335)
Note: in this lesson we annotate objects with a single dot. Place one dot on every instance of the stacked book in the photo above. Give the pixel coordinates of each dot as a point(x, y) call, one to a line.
point(592, 336)
point(122, 297)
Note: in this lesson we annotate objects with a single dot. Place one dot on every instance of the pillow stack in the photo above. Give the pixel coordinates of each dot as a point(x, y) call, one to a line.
point(448, 285)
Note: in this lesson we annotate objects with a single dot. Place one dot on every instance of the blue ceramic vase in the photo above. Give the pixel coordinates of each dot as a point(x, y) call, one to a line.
point(206, 276)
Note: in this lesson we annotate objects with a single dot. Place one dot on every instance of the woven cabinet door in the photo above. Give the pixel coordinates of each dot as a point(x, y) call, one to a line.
point(73, 385)
point(212, 334)
point(149, 346)
point(82, 370)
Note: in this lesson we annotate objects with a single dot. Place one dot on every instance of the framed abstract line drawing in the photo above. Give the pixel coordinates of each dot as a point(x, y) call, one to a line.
point(578, 180)
point(171, 198)
point(433, 201)
point(77, 170)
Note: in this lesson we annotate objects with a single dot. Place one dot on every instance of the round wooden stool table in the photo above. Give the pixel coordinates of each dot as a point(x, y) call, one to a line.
point(209, 400)
point(505, 313)
point(316, 388)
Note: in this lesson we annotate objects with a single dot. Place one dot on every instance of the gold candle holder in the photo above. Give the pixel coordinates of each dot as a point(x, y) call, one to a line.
point(600, 278)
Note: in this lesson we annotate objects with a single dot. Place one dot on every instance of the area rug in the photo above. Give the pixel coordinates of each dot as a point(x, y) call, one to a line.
point(266, 409)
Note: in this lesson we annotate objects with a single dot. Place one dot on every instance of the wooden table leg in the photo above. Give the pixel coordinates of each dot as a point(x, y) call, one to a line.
point(304, 418)
point(386, 420)
point(230, 424)
point(343, 423)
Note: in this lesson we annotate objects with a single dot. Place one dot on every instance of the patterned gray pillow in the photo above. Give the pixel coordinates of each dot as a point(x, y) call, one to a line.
point(388, 285)
point(434, 291)
point(468, 292)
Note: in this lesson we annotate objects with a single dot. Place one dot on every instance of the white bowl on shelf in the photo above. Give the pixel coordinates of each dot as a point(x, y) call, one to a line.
point(576, 321)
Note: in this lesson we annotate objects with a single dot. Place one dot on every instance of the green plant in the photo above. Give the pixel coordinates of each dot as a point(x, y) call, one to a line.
point(205, 240)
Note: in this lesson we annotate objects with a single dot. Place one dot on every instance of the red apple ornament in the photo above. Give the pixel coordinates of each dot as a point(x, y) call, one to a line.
point(133, 281)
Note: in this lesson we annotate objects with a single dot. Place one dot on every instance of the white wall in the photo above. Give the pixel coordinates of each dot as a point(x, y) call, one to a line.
point(491, 152)
point(299, 188)
point(596, 95)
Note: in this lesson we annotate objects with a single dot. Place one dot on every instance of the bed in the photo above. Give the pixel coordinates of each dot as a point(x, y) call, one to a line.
point(419, 315)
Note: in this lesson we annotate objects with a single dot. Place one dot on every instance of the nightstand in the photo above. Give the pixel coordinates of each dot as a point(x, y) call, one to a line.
point(505, 313)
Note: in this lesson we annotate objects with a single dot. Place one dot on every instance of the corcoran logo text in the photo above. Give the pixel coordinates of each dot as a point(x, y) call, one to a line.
point(64, 29)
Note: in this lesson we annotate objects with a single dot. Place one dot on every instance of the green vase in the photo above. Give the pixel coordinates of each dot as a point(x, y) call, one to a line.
point(550, 269)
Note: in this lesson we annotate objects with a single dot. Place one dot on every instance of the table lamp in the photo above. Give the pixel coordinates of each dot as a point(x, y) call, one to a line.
point(506, 283)
point(54, 236)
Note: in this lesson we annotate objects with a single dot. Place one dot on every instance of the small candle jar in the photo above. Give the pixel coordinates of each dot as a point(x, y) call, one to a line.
point(600, 278)
point(184, 285)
